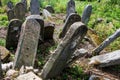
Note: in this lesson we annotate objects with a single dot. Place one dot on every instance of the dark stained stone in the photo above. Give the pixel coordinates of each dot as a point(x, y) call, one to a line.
point(58, 60)
point(10, 5)
point(27, 46)
point(13, 34)
point(10, 14)
point(25, 3)
point(34, 7)
point(73, 17)
point(50, 9)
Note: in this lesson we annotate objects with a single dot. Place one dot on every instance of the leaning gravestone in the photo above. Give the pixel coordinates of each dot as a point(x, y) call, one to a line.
point(25, 3)
point(27, 46)
point(70, 8)
point(49, 30)
point(86, 14)
point(13, 34)
point(20, 11)
point(58, 60)
point(10, 5)
point(10, 14)
point(35, 7)
point(49, 8)
point(73, 17)
point(39, 19)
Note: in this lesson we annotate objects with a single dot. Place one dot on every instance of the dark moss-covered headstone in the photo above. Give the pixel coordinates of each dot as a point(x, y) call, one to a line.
point(25, 3)
point(27, 46)
point(20, 11)
point(49, 8)
point(73, 17)
point(13, 34)
point(58, 60)
point(10, 14)
point(10, 5)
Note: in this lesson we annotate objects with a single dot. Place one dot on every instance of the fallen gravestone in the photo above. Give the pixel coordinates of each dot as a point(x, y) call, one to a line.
point(13, 34)
point(10, 5)
point(49, 30)
point(20, 11)
point(35, 7)
point(25, 3)
point(10, 14)
point(73, 17)
point(70, 7)
point(106, 42)
point(27, 46)
point(86, 14)
point(105, 60)
point(39, 19)
point(58, 60)
point(50, 9)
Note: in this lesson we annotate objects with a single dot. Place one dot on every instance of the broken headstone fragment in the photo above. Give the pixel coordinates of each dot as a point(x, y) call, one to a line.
point(13, 34)
point(27, 46)
point(58, 60)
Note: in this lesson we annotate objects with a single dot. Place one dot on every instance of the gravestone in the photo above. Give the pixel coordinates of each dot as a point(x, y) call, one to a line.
point(50, 9)
point(49, 30)
point(25, 3)
point(27, 46)
point(10, 14)
point(58, 60)
point(39, 19)
point(20, 11)
point(13, 34)
point(35, 7)
point(46, 14)
point(10, 5)
point(70, 7)
point(73, 17)
point(86, 14)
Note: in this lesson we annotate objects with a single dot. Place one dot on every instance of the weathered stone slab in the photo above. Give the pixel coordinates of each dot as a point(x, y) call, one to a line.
point(10, 5)
point(58, 60)
point(49, 30)
point(20, 11)
point(86, 14)
point(70, 20)
point(25, 3)
point(35, 7)
point(46, 14)
point(10, 14)
point(39, 19)
point(105, 43)
point(50, 9)
point(13, 34)
point(28, 76)
point(70, 7)
point(105, 60)
point(28, 42)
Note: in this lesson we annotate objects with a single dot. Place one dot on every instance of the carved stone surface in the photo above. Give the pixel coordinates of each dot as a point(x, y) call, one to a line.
point(13, 34)
point(69, 21)
point(64, 51)
point(20, 11)
point(28, 42)
point(86, 14)
point(35, 7)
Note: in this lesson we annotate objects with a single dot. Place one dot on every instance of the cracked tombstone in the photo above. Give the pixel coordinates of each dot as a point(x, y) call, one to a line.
point(25, 3)
point(105, 43)
point(39, 19)
point(70, 7)
point(13, 34)
point(86, 14)
point(73, 17)
point(35, 7)
point(10, 5)
point(10, 14)
point(20, 11)
point(27, 46)
point(58, 60)
point(49, 30)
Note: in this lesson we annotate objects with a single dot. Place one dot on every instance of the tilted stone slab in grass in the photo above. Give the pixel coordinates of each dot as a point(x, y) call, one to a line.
point(70, 20)
point(58, 60)
point(105, 60)
point(13, 34)
point(39, 19)
point(49, 31)
point(35, 7)
point(70, 7)
point(10, 5)
point(20, 11)
point(27, 46)
point(86, 14)
point(10, 14)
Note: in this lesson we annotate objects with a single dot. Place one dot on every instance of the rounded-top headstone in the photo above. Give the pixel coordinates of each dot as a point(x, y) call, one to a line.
point(50, 9)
